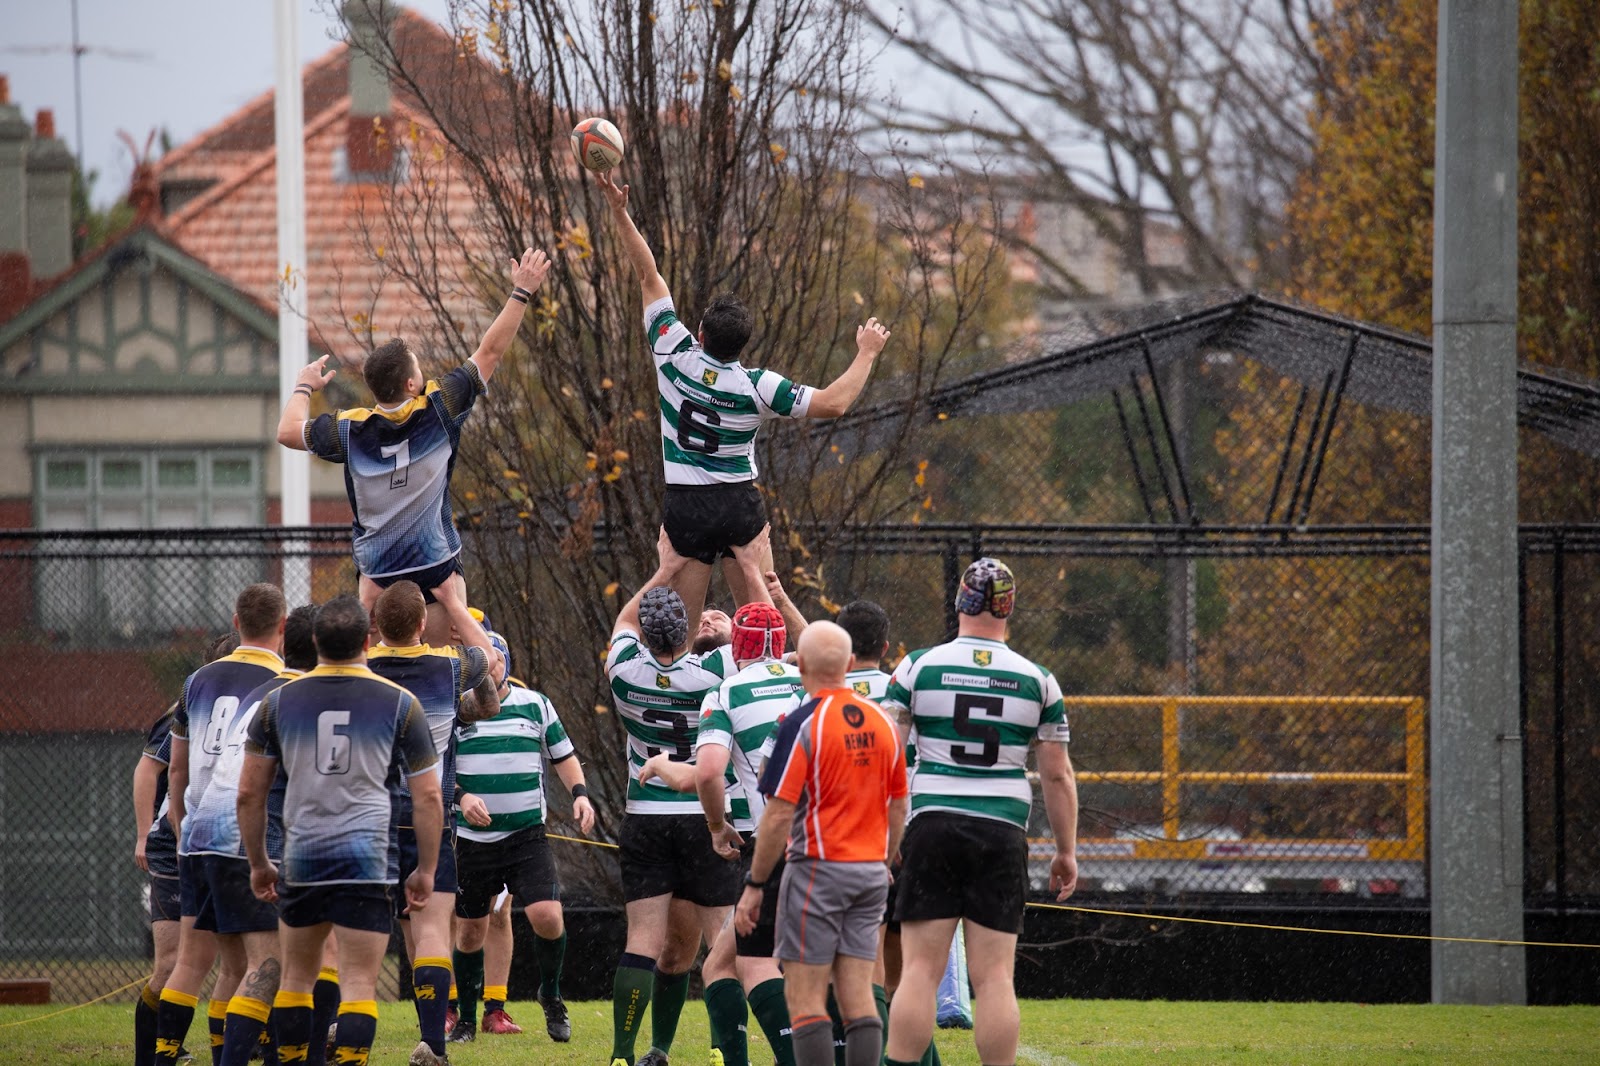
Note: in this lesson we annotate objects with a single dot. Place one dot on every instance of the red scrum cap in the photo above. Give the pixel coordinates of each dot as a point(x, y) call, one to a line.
point(758, 632)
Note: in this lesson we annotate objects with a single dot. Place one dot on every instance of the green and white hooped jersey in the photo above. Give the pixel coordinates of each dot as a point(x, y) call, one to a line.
point(741, 714)
point(710, 410)
point(976, 705)
point(660, 709)
point(501, 761)
point(869, 684)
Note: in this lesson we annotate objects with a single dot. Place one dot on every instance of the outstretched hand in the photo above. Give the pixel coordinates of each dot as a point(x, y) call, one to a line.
point(871, 337)
point(529, 272)
point(312, 376)
point(616, 195)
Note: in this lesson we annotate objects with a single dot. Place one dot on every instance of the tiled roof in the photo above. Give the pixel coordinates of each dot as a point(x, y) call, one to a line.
point(232, 226)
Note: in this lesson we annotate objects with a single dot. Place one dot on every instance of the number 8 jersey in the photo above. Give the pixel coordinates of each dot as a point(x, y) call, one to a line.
point(710, 410)
point(976, 705)
point(660, 709)
point(212, 696)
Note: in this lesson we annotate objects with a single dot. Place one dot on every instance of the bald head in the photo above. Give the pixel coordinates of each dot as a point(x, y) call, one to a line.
point(824, 656)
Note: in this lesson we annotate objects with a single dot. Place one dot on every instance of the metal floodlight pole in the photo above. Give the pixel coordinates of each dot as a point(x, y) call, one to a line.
point(294, 479)
point(1475, 842)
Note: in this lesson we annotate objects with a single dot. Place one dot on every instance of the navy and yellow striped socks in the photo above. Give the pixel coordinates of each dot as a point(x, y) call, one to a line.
point(358, 1025)
point(246, 1023)
point(174, 1015)
point(292, 1011)
point(430, 983)
point(324, 1006)
point(216, 1020)
point(144, 1026)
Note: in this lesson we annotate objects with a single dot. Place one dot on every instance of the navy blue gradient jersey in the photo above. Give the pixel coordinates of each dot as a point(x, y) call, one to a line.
point(345, 739)
point(438, 677)
point(216, 821)
point(397, 466)
point(160, 842)
point(212, 696)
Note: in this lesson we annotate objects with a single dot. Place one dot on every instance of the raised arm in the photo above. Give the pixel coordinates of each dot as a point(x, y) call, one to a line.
point(527, 274)
point(468, 629)
point(793, 621)
point(652, 285)
point(836, 399)
point(292, 423)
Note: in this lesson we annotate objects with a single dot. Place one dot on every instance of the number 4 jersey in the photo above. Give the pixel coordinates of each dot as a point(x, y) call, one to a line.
point(710, 410)
point(660, 709)
point(976, 705)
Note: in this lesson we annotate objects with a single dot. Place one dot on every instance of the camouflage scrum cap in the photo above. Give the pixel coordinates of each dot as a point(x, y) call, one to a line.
point(663, 620)
point(987, 586)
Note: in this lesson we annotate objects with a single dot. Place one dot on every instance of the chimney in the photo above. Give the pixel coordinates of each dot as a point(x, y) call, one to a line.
point(16, 280)
point(368, 147)
point(49, 200)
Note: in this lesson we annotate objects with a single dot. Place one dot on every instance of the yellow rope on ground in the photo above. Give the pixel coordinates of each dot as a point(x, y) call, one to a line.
point(1307, 929)
point(76, 1006)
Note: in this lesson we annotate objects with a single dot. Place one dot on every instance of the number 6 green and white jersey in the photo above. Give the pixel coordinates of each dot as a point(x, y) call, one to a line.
point(660, 709)
point(710, 410)
point(501, 761)
point(976, 705)
point(741, 714)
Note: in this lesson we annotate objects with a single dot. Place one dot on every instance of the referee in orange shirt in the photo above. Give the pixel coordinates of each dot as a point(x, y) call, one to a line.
point(836, 780)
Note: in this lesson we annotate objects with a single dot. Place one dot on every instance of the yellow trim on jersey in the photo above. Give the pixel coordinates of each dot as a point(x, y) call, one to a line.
point(413, 651)
point(254, 656)
point(347, 671)
point(399, 414)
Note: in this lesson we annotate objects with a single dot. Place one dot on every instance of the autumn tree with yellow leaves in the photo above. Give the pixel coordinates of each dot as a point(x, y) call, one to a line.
point(747, 175)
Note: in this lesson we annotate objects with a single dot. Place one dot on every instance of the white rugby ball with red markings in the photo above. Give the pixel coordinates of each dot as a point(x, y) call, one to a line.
point(597, 144)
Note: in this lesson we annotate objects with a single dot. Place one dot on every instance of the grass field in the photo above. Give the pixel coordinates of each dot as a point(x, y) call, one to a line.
point(1054, 1033)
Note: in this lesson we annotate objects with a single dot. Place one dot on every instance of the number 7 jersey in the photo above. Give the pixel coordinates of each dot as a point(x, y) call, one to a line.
point(660, 709)
point(976, 705)
point(710, 410)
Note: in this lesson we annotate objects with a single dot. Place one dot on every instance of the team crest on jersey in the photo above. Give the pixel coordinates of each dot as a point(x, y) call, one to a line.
point(775, 669)
point(983, 658)
point(862, 688)
point(708, 377)
point(663, 681)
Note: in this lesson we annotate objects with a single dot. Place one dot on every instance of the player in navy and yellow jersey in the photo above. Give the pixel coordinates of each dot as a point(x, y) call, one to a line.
point(156, 852)
point(398, 455)
point(453, 683)
point(212, 696)
point(214, 838)
point(345, 739)
point(711, 407)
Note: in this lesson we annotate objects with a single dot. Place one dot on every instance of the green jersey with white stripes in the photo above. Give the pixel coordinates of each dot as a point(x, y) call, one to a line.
point(710, 410)
point(501, 761)
point(741, 714)
point(660, 709)
point(976, 705)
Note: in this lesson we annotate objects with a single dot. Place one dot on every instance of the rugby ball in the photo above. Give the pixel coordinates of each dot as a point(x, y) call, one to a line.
point(597, 144)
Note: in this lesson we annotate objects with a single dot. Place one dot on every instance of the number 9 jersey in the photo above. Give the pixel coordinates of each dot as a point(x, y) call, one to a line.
point(710, 410)
point(976, 705)
point(660, 709)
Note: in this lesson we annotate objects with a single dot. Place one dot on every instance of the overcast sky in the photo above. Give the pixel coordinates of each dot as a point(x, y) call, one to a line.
point(181, 64)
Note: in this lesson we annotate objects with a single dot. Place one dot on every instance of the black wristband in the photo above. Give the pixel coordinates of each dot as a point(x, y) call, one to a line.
point(751, 882)
point(303, 388)
point(520, 294)
point(578, 791)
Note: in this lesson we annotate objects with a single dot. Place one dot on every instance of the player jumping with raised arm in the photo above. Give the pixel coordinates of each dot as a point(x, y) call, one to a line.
point(711, 407)
point(398, 455)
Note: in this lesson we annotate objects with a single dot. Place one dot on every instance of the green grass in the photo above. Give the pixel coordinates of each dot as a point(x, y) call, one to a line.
point(1054, 1033)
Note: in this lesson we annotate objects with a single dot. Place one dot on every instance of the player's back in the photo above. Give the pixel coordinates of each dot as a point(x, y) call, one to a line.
point(742, 714)
point(660, 709)
point(710, 409)
point(438, 677)
point(870, 683)
point(216, 823)
point(344, 738)
point(976, 706)
point(397, 473)
point(212, 696)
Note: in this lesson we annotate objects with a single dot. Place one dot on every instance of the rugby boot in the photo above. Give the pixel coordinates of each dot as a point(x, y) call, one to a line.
point(499, 1022)
point(556, 1022)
